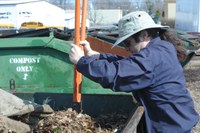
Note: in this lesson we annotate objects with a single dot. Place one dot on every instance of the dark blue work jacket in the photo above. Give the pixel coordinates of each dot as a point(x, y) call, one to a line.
point(155, 76)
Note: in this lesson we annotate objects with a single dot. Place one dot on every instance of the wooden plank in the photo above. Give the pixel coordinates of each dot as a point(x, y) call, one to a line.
point(134, 120)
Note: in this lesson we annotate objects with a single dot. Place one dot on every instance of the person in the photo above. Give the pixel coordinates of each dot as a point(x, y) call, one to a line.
point(152, 72)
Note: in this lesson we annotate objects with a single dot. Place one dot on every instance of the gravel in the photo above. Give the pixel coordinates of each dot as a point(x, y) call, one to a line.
point(192, 74)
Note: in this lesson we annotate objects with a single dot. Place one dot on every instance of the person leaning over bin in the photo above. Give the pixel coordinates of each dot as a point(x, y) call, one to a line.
point(152, 73)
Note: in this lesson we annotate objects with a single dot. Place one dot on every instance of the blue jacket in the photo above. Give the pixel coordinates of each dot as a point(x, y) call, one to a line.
point(155, 77)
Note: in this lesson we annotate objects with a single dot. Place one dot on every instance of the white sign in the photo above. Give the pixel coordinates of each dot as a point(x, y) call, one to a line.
point(25, 66)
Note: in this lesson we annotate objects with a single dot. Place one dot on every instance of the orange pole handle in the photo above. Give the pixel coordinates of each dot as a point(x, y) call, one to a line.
point(83, 20)
point(77, 75)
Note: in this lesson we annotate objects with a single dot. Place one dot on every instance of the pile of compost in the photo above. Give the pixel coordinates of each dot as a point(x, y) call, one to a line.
point(69, 121)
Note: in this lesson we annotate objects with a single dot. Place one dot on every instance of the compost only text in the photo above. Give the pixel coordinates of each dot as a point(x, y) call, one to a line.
point(24, 65)
point(24, 68)
point(23, 60)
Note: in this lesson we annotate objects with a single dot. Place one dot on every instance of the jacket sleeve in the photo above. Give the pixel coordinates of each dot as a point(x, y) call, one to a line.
point(126, 74)
point(110, 57)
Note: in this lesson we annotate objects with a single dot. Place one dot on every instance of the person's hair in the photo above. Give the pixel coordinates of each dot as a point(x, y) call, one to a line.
point(172, 37)
point(167, 35)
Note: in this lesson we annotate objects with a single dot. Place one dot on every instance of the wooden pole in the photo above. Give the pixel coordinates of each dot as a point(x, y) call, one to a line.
point(83, 20)
point(77, 75)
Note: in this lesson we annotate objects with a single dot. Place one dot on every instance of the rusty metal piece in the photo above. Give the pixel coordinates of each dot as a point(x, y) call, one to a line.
point(105, 47)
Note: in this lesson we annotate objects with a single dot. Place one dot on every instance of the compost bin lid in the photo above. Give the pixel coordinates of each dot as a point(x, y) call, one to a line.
point(58, 33)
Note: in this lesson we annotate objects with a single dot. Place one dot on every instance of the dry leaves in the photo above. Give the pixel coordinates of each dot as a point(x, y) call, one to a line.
point(69, 121)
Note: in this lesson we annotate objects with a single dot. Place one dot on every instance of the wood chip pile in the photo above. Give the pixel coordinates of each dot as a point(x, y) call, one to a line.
point(69, 121)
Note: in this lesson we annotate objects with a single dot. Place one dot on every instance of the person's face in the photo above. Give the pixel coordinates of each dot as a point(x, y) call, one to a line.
point(131, 45)
point(134, 46)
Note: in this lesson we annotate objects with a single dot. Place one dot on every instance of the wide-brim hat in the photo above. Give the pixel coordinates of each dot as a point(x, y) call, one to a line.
point(133, 23)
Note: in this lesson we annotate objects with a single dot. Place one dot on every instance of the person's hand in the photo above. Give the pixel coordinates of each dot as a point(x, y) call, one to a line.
point(75, 53)
point(87, 47)
point(88, 50)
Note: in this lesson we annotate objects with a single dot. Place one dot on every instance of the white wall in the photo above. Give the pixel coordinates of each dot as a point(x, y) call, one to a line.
point(106, 16)
point(103, 17)
point(8, 14)
point(40, 11)
point(171, 11)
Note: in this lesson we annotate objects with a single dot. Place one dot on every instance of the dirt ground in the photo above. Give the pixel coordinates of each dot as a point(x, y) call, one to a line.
point(192, 74)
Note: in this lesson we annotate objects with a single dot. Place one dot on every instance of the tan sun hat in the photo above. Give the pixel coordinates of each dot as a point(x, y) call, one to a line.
point(133, 23)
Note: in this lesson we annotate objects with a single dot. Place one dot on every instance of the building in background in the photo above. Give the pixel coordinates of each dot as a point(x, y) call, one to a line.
point(70, 20)
point(178, 14)
point(16, 12)
point(94, 17)
point(188, 15)
point(104, 16)
point(168, 14)
point(41, 14)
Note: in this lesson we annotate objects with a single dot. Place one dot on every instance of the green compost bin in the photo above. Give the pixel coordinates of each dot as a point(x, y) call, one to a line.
point(38, 69)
